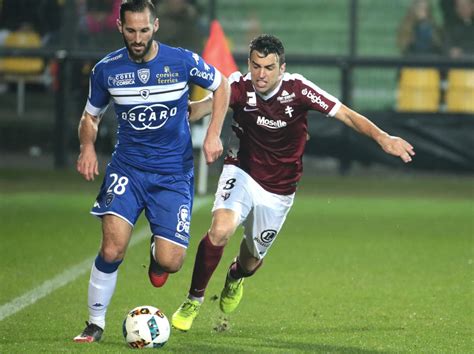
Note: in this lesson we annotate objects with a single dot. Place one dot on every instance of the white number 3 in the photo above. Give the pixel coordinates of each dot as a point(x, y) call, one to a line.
point(118, 184)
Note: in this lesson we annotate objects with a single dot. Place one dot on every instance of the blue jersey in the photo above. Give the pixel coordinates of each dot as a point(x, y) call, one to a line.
point(151, 105)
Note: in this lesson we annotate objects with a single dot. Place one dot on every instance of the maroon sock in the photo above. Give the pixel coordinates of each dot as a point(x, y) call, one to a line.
point(236, 271)
point(207, 259)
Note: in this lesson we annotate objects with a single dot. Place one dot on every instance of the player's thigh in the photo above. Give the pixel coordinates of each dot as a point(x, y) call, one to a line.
point(233, 194)
point(265, 221)
point(116, 234)
point(169, 255)
point(168, 207)
point(121, 194)
point(223, 226)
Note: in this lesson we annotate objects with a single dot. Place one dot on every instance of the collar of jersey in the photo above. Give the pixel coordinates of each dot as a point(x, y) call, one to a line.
point(271, 94)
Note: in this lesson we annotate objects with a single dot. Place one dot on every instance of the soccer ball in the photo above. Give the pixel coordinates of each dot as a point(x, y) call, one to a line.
point(146, 327)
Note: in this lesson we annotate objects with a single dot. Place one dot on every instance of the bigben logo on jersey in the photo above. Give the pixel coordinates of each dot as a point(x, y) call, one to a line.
point(149, 117)
point(315, 98)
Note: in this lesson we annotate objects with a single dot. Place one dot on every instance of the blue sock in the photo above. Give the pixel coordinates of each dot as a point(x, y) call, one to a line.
point(106, 267)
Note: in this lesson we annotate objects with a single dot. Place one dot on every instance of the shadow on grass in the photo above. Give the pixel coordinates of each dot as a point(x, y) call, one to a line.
point(254, 339)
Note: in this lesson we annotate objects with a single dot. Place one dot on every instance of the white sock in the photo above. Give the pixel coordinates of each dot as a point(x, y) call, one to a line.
point(200, 299)
point(101, 289)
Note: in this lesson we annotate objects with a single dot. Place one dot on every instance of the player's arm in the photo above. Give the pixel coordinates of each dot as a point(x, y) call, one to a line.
point(200, 109)
point(87, 164)
point(212, 145)
point(390, 144)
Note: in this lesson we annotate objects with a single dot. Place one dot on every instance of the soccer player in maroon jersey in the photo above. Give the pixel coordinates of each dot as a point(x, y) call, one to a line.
point(263, 166)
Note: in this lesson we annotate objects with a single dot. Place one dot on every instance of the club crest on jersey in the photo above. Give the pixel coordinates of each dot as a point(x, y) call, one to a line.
point(109, 198)
point(289, 111)
point(144, 93)
point(149, 117)
point(144, 75)
point(225, 196)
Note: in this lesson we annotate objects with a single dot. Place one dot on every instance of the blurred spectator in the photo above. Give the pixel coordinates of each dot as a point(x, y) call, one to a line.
point(179, 20)
point(418, 33)
point(102, 15)
point(97, 24)
point(43, 15)
point(460, 29)
point(254, 27)
point(447, 11)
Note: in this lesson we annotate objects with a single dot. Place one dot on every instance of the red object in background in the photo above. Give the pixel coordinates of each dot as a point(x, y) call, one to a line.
point(217, 52)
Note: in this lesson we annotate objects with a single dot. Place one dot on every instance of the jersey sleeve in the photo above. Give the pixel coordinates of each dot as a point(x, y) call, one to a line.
point(236, 97)
point(315, 98)
point(99, 95)
point(200, 72)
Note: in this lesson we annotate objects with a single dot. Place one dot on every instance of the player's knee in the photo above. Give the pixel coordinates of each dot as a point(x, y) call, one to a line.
point(171, 265)
point(172, 268)
point(169, 259)
point(112, 254)
point(219, 234)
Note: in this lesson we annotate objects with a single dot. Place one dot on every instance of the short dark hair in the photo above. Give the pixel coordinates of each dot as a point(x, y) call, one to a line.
point(268, 44)
point(137, 6)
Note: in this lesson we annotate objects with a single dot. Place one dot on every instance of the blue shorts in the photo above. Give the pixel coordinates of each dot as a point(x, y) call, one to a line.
point(167, 200)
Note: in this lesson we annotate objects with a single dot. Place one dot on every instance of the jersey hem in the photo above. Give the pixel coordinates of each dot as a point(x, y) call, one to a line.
point(174, 242)
point(282, 191)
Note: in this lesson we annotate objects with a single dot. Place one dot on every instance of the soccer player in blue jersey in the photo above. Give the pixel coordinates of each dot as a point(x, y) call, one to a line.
point(151, 168)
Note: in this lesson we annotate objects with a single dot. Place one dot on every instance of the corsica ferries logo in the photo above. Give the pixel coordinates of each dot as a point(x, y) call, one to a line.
point(167, 76)
point(149, 117)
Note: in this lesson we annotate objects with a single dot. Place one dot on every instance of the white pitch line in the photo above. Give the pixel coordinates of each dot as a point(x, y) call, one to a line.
point(70, 275)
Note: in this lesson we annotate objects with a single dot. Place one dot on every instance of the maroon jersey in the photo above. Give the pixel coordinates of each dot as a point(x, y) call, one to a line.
point(272, 129)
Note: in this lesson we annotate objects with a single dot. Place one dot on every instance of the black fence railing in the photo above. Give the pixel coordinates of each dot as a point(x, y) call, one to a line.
point(345, 64)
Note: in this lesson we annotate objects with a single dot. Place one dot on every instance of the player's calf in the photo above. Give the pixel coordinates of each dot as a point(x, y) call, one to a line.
point(233, 290)
point(157, 275)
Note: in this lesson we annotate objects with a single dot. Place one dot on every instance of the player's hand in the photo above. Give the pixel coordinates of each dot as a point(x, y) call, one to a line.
point(212, 147)
point(396, 146)
point(87, 164)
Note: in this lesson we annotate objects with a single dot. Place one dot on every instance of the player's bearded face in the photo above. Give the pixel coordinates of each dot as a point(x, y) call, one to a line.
point(138, 32)
point(266, 71)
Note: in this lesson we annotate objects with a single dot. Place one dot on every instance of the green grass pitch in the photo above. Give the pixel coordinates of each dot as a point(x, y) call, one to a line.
point(362, 265)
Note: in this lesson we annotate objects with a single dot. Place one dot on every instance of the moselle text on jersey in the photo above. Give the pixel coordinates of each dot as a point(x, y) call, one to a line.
point(151, 105)
point(270, 131)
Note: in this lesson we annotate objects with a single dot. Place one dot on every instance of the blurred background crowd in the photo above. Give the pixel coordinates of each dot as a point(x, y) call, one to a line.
point(312, 30)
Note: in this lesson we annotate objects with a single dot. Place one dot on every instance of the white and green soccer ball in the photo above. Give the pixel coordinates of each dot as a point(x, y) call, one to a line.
point(146, 327)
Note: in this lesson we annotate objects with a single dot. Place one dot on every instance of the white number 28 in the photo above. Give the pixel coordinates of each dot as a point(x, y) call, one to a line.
point(118, 184)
